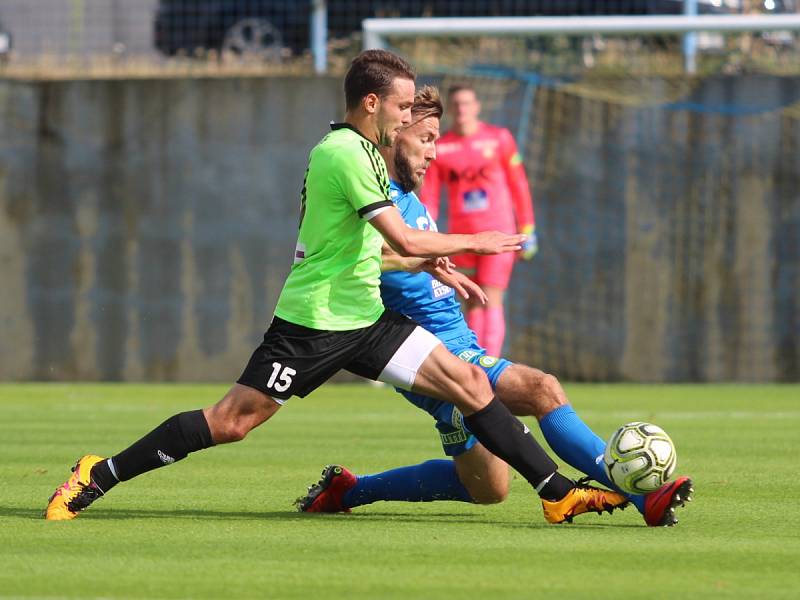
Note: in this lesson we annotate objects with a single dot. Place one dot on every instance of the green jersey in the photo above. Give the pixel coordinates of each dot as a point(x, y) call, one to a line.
point(334, 283)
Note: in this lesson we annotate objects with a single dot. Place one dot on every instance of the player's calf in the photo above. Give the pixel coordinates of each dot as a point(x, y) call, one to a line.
point(240, 411)
point(485, 477)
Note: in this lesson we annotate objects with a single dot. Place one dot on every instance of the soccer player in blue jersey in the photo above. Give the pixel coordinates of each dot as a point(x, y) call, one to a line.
point(410, 286)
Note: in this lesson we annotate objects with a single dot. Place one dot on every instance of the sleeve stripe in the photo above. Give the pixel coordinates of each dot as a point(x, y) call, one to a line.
point(382, 182)
point(374, 206)
point(374, 213)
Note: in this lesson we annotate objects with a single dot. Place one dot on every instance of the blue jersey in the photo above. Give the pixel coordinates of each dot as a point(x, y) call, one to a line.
point(419, 295)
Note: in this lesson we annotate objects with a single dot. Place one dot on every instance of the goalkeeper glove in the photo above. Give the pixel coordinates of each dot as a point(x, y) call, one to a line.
point(531, 244)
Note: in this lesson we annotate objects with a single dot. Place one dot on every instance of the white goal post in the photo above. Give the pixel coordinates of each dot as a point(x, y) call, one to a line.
point(377, 30)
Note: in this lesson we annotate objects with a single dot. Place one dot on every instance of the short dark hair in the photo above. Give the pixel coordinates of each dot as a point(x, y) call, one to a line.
point(373, 72)
point(427, 103)
point(460, 87)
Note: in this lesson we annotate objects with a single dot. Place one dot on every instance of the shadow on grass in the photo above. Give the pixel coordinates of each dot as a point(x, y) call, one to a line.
point(442, 518)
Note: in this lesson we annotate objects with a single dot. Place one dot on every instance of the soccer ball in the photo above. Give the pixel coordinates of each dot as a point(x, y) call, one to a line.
point(639, 457)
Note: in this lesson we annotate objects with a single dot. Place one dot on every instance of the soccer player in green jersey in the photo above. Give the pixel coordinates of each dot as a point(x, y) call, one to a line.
point(330, 317)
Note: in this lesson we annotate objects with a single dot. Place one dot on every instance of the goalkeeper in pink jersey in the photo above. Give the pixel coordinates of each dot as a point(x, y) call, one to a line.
point(486, 189)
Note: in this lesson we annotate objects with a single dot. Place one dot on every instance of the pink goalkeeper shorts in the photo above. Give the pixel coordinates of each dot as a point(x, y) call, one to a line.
point(493, 271)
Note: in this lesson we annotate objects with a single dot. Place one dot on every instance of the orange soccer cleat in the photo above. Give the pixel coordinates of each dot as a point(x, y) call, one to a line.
point(581, 499)
point(77, 493)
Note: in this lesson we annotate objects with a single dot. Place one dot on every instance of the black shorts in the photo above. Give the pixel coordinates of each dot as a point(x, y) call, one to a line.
point(294, 360)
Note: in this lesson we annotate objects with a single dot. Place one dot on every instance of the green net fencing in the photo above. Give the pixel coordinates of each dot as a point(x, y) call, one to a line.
point(668, 210)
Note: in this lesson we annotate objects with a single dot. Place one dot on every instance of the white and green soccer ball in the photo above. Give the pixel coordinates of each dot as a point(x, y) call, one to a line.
point(640, 457)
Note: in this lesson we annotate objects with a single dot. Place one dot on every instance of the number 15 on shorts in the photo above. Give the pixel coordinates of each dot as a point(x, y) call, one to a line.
point(281, 377)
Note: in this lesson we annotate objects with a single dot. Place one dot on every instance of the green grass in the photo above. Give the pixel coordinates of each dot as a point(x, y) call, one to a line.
point(221, 524)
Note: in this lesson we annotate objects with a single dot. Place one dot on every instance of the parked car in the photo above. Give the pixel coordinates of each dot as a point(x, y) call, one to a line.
point(278, 28)
point(5, 42)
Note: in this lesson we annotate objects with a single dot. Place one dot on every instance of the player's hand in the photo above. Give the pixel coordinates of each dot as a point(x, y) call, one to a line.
point(430, 264)
point(530, 246)
point(446, 264)
point(496, 242)
point(463, 285)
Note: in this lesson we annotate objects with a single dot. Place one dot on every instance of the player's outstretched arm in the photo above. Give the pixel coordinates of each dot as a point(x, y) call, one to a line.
point(440, 268)
point(407, 241)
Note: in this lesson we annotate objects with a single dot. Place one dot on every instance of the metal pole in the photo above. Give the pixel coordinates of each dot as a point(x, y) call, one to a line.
point(690, 39)
point(319, 35)
point(376, 29)
point(372, 38)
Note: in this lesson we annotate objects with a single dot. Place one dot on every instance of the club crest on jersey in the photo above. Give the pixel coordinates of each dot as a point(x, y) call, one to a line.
point(475, 200)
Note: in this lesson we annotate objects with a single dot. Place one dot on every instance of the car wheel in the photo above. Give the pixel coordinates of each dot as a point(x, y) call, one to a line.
point(253, 38)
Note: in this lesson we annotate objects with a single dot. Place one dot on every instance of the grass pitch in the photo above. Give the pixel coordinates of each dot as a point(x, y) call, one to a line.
point(221, 524)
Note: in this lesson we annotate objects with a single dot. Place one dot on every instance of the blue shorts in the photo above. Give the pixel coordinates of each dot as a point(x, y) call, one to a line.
point(456, 438)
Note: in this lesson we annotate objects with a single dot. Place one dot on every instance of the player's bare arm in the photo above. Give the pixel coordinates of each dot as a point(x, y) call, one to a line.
point(429, 244)
point(440, 268)
point(392, 261)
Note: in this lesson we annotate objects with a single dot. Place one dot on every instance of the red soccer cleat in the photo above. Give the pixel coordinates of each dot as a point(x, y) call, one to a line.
point(659, 506)
point(326, 495)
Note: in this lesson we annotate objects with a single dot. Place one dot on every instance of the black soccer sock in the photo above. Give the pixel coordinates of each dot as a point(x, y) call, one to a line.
point(170, 442)
point(103, 477)
point(507, 437)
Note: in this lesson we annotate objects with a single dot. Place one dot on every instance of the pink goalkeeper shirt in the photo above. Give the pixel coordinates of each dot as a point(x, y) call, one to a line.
point(486, 183)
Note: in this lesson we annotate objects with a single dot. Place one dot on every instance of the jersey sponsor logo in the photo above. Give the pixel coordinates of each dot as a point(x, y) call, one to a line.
point(439, 289)
point(469, 175)
point(487, 361)
point(475, 201)
point(484, 145)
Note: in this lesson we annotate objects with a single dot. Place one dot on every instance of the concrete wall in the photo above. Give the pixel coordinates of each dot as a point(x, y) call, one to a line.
point(146, 227)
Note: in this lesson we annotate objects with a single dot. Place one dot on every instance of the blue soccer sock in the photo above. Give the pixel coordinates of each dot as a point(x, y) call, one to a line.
point(580, 447)
point(425, 482)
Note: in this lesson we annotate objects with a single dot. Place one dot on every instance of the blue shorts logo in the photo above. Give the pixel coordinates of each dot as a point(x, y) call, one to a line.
point(467, 355)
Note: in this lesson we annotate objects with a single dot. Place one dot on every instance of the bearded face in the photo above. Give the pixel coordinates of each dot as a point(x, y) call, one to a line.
point(414, 150)
point(404, 170)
